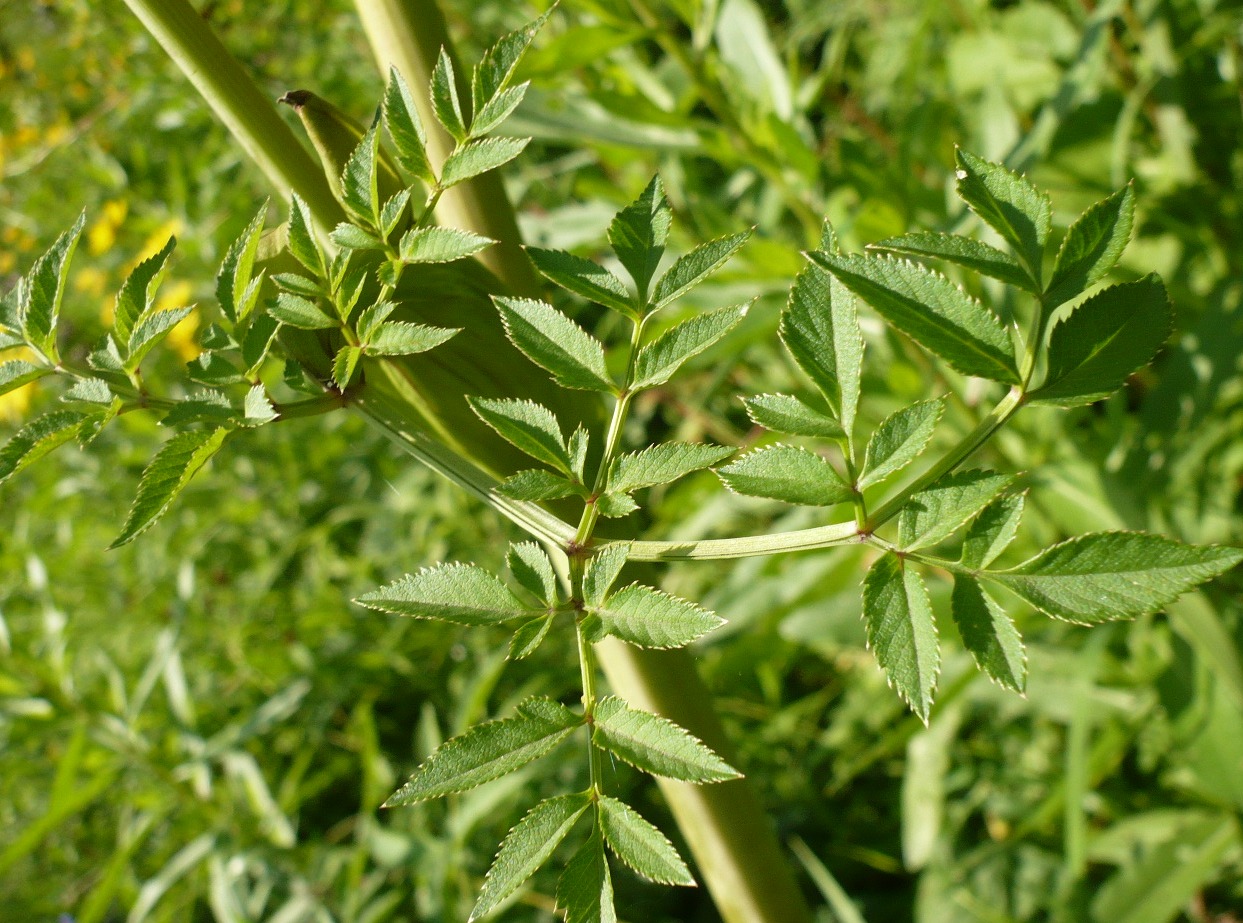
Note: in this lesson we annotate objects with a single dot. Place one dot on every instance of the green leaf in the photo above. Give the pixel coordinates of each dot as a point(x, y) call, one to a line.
point(784, 413)
point(537, 484)
point(528, 637)
point(692, 268)
point(441, 245)
point(166, 476)
point(478, 157)
point(659, 359)
point(153, 328)
point(299, 285)
point(397, 338)
point(656, 744)
point(937, 512)
point(405, 128)
point(529, 426)
point(786, 473)
point(445, 102)
point(899, 440)
point(203, 406)
point(496, 67)
point(646, 617)
point(302, 242)
point(639, 233)
point(1010, 204)
point(359, 180)
point(45, 287)
point(352, 237)
point(393, 212)
point(136, 298)
point(901, 631)
point(932, 310)
point(89, 391)
point(1092, 246)
point(533, 571)
point(583, 277)
point(1094, 349)
point(498, 109)
point(17, 373)
point(528, 846)
point(585, 891)
point(602, 571)
point(257, 342)
point(662, 464)
point(1104, 576)
point(614, 505)
point(489, 751)
point(554, 342)
point(296, 311)
point(36, 439)
point(964, 251)
point(992, 531)
point(820, 328)
point(579, 441)
point(988, 634)
point(233, 282)
point(372, 317)
point(459, 593)
point(640, 845)
point(256, 408)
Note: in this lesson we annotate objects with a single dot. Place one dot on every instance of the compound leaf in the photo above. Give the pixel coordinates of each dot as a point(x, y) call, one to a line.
point(639, 233)
point(477, 157)
point(301, 238)
point(554, 342)
point(646, 617)
point(36, 439)
point(784, 413)
point(296, 311)
point(659, 359)
point(901, 631)
point(937, 512)
point(496, 67)
point(640, 845)
point(17, 373)
point(529, 426)
point(498, 109)
point(614, 505)
point(980, 257)
point(533, 571)
point(662, 464)
point(441, 245)
point(537, 484)
point(992, 531)
point(787, 473)
point(352, 237)
point(1010, 204)
point(359, 179)
point(656, 744)
point(585, 891)
point(899, 440)
point(398, 338)
point(45, 287)
point(528, 637)
point(583, 277)
point(692, 268)
point(344, 365)
point(1092, 246)
point(988, 634)
point(602, 571)
point(137, 295)
point(401, 118)
point(460, 593)
point(445, 102)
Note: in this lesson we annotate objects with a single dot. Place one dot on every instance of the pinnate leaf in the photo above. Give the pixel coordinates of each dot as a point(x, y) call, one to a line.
point(498, 109)
point(301, 238)
point(583, 277)
point(445, 102)
point(533, 571)
point(477, 157)
point(988, 634)
point(496, 67)
point(17, 373)
point(662, 464)
point(646, 617)
point(901, 632)
point(401, 118)
point(45, 287)
point(150, 330)
point(973, 254)
point(441, 245)
point(554, 342)
point(537, 484)
point(1010, 204)
point(937, 512)
point(784, 413)
point(602, 571)
point(640, 845)
point(585, 892)
point(352, 237)
point(460, 593)
point(692, 268)
point(137, 295)
point(787, 473)
point(639, 233)
point(992, 531)
point(529, 426)
point(359, 178)
point(1092, 246)
point(398, 338)
point(659, 359)
point(656, 744)
point(36, 439)
point(899, 440)
point(528, 637)
point(296, 311)
point(614, 505)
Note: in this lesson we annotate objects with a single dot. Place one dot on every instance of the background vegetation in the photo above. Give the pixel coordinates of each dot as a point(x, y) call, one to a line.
point(200, 726)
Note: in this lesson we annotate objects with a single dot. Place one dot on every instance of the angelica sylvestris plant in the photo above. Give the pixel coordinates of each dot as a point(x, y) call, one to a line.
point(311, 323)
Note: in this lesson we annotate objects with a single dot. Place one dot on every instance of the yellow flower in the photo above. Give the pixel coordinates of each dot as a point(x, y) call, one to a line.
point(90, 281)
point(181, 339)
point(13, 405)
point(103, 233)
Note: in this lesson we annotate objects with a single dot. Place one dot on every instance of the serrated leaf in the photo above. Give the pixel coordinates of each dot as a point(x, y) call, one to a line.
point(602, 571)
point(257, 342)
point(238, 267)
point(301, 239)
point(537, 484)
point(787, 473)
point(901, 631)
point(398, 338)
point(784, 413)
point(372, 317)
point(459, 593)
point(639, 233)
point(988, 634)
point(980, 257)
point(153, 328)
point(298, 285)
point(1092, 246)
point(533, 571)
point(1102, 341)
point(36, 439)
point(393, 211)
point(692, 268)
point(529, 426)
point(899, 440)
point(583, 277)
point(300, 312)
point(662, 464)
point(528, 846)
point(136, 297)
point(256, 408)
point(931, 310)
point(992, 531)
point(496, 67)
point(203, 406)
point(405, 128)
point(528, 637)
point(640, 845)
point(441, 245)
point(579, 441)
point(820, 328)
point(656, 744)
point(937, 512)
point(166, 476)
point(585, 891)
point(359, 180)
point(445, 102)
point(45, 287)
point(615, 505)
point(211, 368)
point(554, 342)
point(646, 617)
point(477, 157)
point(489, 751)
point(17, 373)
point(1010, 204)
point(1105, 576)
point(352, 237)
point(89, 391)
point(658, 360)
point(498, 109)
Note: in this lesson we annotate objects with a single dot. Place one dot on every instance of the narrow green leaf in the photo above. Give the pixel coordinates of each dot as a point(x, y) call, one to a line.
point(298, 285)
point(1094, 349)
point(1092, 246)
point(786, 473)
point(17, 373)
point(372, 317)
point(533, 571)
point(1104, 576)
point(441, 245)
point(537, 484)
point(529, 426)
point(554, 342)
point(931, 310)
point(528, 637)
point(359, 179)
point(257, 342)
point(405, 128)
point(36, 439)
point(662, 464)
point(692, 268)
point(498, 109)
point(152, 328)
point(899, 440)
point(983, 258)
point(459, 593)
point(901, 631)
point(528, 846)
point(1010, 204)
point(301, 239)
point(988, 634)
point(646, 617)
point(992, 531)
point(639, 233)
point(352, 237)
point(202, 407)
point(398, 338)
point(640, 845)
point(583, 277)
point(656, 744)
point(496, 67)
point(45, 287)
point(489, 751)
point(585, 891)
point(602, 571)
point(137, 295)
point(659, 359)
point(614, 505)
point(937, 512)
point(478, 157)
point(296, 311)
point(166, 476)
point(393, 211)
point(784, 413)
point(233, 281)
point(445, 102)
point(579, 441)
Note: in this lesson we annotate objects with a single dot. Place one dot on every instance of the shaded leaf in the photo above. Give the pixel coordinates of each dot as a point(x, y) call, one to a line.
point(938, 511)
point(692, 268)
point(1092, 246)
point(992, 531)
point(639, 233)
point(656, 744)
point(537, 484)
point(786, 473)
point(659, 359)
point(460, 593)
point(901, 631)
point(153, 328)
point(640, 845)
point(529, 426)
point(784, 413)
point(662, 464)
point(899, 440)
point(583, 277)
point(647, 617)
point(301, 240)
point(988, 634)
point(1010, 204)
point(554, 342)
point(204, 406)
point(585, 891)
point(602, 571)
point(980, 257)
point(533, 571)
point(528, 637)
point(352, 237)
point(614, 505)
point(372, 317)
point(441, 245)
point(299, 312)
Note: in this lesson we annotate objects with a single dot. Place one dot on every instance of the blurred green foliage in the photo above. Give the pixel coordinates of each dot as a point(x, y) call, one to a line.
point(200, 726)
